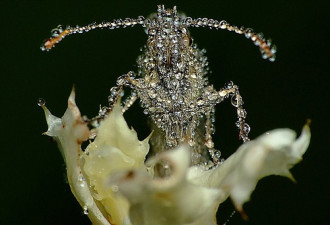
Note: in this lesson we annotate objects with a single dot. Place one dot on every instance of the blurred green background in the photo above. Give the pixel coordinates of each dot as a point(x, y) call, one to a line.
point(33, 186)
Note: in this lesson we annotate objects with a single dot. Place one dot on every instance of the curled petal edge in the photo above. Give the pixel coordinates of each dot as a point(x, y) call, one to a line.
point(273, 153)
point(69, 132)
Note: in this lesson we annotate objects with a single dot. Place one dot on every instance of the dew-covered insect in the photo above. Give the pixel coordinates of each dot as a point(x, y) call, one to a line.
point(171, 81)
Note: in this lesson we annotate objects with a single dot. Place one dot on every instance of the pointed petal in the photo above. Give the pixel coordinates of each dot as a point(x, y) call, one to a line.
point(115, 148)
point(273, 153)
point(69, 132)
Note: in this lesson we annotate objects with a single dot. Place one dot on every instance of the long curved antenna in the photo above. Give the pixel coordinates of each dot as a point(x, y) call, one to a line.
point(58, 33)
point(267, 49)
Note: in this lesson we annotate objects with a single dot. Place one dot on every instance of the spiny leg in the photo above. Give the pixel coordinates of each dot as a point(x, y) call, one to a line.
point(236, 101)
point(115, 94)
point(232, 91)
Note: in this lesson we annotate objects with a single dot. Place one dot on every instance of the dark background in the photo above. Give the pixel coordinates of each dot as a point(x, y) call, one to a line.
point(33, 187)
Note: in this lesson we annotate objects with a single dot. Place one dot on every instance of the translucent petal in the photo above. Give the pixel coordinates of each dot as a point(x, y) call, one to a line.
point(69, 132)
point(273, 153)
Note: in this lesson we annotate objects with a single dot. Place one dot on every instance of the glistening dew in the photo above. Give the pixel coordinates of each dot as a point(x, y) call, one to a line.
point(112, 179)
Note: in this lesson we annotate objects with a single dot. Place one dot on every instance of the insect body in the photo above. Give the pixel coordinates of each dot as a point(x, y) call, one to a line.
point(171, 82)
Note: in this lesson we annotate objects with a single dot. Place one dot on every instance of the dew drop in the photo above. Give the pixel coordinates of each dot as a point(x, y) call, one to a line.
point(43, 47)
point(229, 85)
point(217, 154)
point(212, 96)
point(191, 142)
point(200, 102)
point(246, 128)
point(60, 28)
point(115, 188)
point(55, 32)
point(41, 102)
point(81, 181)
point(273, 49)
point(209, 143)
point(241, 112)
point(234, 101)
point(85, 210)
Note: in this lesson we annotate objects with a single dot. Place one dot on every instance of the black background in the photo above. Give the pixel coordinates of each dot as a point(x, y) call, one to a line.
point(33, 189)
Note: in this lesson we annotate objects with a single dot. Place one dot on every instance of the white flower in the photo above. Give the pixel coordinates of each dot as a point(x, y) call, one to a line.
point(112, 180)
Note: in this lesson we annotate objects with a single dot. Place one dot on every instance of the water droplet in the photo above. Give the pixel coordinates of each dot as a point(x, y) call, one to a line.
point(223, 24)
point(229, 85)
point(241, 112)
point(115, 188)
point(209, 143)
point(152, 93)
point(213, 96)
point(113, 90)
point(200, 102)
point(272, 59)
point(217, 154)
point(264, 55)
point(60, 28)
point(41, 102)
point(81, 181)
point(191, 142)
point(55, 32)
point(178, 76)
point(180, 65)
point(246, 128)
point(273, 49)
point(159, 44)
point(234, 101)
point(43, 47)
point(122, 93)
point(85, 210)
point(152, 31)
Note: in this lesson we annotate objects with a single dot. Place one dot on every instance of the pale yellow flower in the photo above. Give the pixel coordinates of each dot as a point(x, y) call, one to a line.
point(114, 183)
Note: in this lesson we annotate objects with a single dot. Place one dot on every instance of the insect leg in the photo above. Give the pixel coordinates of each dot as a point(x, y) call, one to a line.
point(215, 154)
point(236, 100)
point(115, 94)
point(129, 102)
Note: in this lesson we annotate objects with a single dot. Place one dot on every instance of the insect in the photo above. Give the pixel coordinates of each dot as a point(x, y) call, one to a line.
point(171, 81)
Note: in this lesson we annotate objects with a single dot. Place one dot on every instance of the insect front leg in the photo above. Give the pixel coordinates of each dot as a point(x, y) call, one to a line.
point(231, 90)
point(115, 93)
point(214, 153)
point(129, 102)
point(125, 80)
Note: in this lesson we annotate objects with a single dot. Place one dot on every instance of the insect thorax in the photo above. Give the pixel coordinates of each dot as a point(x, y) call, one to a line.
point(173, 81)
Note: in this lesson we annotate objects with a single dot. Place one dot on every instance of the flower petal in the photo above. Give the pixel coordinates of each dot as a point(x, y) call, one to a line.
point(273, 153)
point(167, 197)
point(115, 148)
point(69, 132)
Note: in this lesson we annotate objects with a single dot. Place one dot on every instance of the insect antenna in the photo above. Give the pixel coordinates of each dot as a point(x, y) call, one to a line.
point(267, 49)
point(58, 33)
